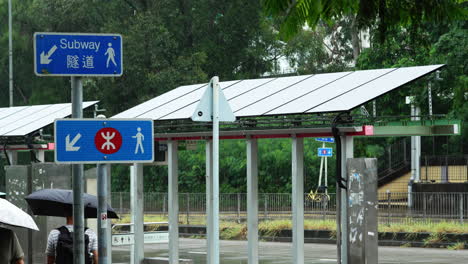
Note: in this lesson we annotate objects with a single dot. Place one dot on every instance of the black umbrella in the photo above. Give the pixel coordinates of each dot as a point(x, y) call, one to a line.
point(58, 202)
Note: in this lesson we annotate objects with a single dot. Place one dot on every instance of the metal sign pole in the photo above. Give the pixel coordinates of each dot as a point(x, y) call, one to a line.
point(102, 216)
point(215, 221)
point(77, 176)
point(103, 230)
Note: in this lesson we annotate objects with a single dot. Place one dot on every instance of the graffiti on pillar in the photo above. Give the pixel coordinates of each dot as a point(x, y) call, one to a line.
point(356, 207)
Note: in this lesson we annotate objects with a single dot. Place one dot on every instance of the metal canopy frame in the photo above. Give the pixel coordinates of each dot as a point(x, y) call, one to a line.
point(287, 107)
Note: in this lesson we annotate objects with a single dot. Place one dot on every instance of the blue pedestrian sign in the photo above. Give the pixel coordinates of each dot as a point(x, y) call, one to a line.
point(325, 152)
point(328, 140)
point(104, 141)
point(77, 54)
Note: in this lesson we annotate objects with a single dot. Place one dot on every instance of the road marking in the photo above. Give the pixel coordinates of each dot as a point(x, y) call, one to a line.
point(331, 260)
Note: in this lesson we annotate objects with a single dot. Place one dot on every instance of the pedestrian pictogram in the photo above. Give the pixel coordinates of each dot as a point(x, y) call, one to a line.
point(108, 140)
point(139, 144)
point(104, 141)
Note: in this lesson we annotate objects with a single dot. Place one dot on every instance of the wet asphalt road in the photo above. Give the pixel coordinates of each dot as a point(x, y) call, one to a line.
point(235, 252)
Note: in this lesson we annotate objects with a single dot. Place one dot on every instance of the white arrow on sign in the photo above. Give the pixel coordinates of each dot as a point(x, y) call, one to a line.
point(70, 146)
point(45, 57)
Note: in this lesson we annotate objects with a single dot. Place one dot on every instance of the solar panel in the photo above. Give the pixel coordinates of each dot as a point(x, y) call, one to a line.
point(230, 92)
point(328, 92)
point(23, 120)
point(183, 101)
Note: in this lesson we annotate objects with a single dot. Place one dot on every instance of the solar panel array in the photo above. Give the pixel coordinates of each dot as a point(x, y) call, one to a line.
point(23, 120)
point(317, 93)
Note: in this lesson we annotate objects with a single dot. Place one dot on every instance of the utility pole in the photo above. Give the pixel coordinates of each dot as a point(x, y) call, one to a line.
point(10, 52)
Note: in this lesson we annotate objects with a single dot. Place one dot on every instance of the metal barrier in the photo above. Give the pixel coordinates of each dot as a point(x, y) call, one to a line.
point(392, 208)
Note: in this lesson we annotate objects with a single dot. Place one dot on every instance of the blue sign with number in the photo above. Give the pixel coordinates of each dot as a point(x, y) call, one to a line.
point(328, 140)
point(325, 152)
point(77, 54)
point(104, 141)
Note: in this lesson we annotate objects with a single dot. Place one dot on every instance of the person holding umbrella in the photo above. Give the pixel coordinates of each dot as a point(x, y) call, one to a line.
point(58, 202)
point(10, 248)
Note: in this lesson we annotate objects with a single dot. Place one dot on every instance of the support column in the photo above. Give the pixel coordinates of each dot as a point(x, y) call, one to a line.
point(347, 151)
point(173, 191)
point(12, 156)
point(209, 203)
point(40, 155)
point(252, 200)
point(298, 199)
point(136, 196)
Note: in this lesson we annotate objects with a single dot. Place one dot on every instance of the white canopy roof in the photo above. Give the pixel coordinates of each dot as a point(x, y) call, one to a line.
point(22, 120)
point(316, 93)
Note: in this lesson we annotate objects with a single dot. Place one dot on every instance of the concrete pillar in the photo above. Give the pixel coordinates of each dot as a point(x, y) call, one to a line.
point(298, 199)
point(252, 200)
point(173, 202)
point(362, 211)
point(136, 197)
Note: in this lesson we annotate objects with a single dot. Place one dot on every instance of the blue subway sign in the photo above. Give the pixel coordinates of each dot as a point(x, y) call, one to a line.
point(327, 140)
point(104, 141)
point(325, 152)
point(77, 54)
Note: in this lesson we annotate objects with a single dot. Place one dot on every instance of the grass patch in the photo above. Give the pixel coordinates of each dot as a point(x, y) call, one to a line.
point(457, 246)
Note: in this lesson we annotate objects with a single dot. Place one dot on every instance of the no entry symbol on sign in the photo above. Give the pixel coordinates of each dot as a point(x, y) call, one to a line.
point(108, 140)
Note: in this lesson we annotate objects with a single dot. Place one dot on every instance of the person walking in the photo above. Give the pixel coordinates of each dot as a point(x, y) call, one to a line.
point(60, 245)
point(10, 248)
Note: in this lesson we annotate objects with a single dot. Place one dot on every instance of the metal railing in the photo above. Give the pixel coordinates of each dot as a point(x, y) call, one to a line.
point(392, 207)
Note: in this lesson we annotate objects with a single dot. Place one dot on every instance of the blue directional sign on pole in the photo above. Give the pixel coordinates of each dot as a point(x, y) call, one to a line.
point(77, 54)
point(325, 152)
point(104, 141)
point(327, 140)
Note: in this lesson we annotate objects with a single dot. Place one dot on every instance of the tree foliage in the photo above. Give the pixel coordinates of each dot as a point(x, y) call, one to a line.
point(386, 14)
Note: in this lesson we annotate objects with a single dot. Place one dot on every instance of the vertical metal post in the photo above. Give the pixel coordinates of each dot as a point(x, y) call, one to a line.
point(109, 223)
point(417, 176)
point(215, 186)
point(347, 150)
point(388, 207)
point(10, 51)
point(187, 208)
point(374, 109)
point(461, 208)
point(238, 208)
point(209, 202)
point(103, 227)
point(252, 200)
point(77, 179)
point(173, 174)
point(298, 199)
point(102, 215)
point(136, 197)
point(265, 206)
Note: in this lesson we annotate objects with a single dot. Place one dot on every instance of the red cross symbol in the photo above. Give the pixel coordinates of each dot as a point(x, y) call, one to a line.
point(108, 140)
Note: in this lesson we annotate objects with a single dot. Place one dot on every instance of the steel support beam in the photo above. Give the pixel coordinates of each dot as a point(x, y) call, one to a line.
point(173, 190)
point(298, 199)
point(252, 200)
